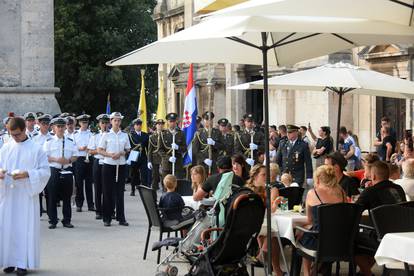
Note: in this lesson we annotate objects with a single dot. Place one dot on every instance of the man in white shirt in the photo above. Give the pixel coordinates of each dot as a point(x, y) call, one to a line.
point(61, 154)
point(98, 159)
point(23, 175)
point(70, 126)
point(113, 146)
point(83, 165)
point(30, 118)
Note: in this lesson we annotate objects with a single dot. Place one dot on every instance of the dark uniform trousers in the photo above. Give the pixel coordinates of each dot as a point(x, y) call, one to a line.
point(97, 181)
point(59, 187)
point(83, 172)
point(113, 192)
point(155, 173)
point(139, 173)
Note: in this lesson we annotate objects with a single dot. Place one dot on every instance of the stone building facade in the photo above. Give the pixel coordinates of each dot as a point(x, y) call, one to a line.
point(27, 57)
point(360, 113)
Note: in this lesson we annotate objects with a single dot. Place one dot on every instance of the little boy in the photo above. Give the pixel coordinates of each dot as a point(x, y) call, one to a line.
point(287, 180)
point(171, 200)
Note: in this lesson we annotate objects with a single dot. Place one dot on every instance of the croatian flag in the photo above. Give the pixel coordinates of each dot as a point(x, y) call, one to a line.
point(189, 124)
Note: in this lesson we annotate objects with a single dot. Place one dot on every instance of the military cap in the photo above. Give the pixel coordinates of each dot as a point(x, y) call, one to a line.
point(64, 115)
point(116, 115)
point(40, 113)
point(70, 120)
point(223, 122)
point(83, 118)
point(171, 116)
point(137, 121)
point(248, 117)
point(208, 115)
point(291, 128)
point(58, 121)
point(159, 121)
point(103, 117)
point(44, 118)
point(29, 115)
point(198, 120)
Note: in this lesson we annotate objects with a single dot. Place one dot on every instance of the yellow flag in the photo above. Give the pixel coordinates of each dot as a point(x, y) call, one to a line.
point(161, 113)
point(142, 107)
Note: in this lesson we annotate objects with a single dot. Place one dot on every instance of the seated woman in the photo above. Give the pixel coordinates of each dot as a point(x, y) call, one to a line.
point(198, 176)
point(326, 191)
point(257, 183)
point(239, 166)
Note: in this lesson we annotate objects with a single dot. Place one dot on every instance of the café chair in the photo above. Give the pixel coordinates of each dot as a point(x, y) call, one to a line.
point(184, 187)
point(393, 219)
point(154, 215)
point(293, 194)
point(338, 227)
point(409, 204)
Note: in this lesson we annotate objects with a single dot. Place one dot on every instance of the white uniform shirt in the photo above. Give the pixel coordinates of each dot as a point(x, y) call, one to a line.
point(31, 134)
point(94, 144)
point(81, 139)
point(71, 135)
point(54, 147)
point(113, 142)
point(41, 139)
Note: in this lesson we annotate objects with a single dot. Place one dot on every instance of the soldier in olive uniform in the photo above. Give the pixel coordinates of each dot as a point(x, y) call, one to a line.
point(167, 148)
point(293, 156)
point(249, 141)
point(228, 137)
point(154, 157)
point(204, 141)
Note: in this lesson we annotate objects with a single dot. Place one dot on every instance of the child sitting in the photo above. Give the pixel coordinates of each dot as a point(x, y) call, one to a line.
point(287, 180)
point(171, 201)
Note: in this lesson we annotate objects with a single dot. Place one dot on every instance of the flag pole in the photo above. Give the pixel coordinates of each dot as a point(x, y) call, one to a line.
point(210, 84)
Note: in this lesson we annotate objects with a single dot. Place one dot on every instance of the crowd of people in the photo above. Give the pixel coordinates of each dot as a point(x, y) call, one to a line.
point(52, 157)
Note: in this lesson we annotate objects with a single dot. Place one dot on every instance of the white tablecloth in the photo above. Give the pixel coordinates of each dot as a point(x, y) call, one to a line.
point(189, 201)
point(396, 247)
point(285, 222)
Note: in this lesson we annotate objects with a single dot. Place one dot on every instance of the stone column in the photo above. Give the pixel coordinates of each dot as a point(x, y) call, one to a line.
point(27, 75)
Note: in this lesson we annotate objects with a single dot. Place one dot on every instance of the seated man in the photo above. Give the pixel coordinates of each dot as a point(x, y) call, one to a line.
point(381, 192)
point(349, 184)
point(224, 165)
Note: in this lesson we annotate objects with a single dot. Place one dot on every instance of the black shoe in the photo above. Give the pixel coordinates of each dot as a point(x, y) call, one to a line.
point(68, 225)
point(78, 209)
point(107, 224)
point(98, 217)
point(132, 193)
point(9, 269)
point(57, 205)
point(113, 217)
point(52, 226)
point(91, 209)
point(21, 271)
point(124, 223)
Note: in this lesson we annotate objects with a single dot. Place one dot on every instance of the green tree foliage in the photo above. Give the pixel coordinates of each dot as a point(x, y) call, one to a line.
point(87, 34)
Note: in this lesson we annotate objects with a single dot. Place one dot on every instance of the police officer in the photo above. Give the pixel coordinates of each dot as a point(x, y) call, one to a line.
point(139, 148)
point(207, 144)
point(103, 121)
point(249, 141)
point(61, 153)
point(228, 137)
point(83, 165)
point(154, 157)
point(70, 126)
point(114, 146)
point(293, 156)
point(30, 118)
point(173, 147)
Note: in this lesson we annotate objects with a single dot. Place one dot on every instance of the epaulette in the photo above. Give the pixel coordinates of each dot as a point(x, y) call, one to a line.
point(52, 133)
point(48, 139)
point(70, 139)
point(35, 134)
point(76, 131)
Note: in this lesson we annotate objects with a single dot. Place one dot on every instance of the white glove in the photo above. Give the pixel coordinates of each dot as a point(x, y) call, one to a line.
point(172, 159)
point(309, 182)
point(208, 162)
point(253, 146)
point(174, 146)
point(211, 142)
point(250, 162)
point(149, 165)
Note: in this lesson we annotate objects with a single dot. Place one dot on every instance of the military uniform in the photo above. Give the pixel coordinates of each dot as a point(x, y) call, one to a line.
point(228, 139)
point(30, 116)
point(201, 147)
point(166, 150)
point(294, 157)
point(154, 157)
point(243, 141)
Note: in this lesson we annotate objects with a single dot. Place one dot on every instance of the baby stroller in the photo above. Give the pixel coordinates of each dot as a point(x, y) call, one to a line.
point(189, 249)
point(225, 255)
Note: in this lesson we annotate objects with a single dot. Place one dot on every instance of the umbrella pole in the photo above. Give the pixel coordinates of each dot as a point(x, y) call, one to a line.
point(265, 49)
point(338, 126)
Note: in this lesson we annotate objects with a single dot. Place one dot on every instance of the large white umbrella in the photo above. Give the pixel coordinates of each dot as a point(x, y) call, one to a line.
point(267, 40)
point(396, 11)
point(340, 78)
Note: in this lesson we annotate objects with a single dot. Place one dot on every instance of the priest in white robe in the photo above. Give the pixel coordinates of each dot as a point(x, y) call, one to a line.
point(24, 172)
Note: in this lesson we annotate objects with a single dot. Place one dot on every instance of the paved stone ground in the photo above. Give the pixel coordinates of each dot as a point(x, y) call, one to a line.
point(92, 249)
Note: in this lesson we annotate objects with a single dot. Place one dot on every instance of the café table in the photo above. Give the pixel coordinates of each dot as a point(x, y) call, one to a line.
point(396, 248)
point(286, 221)
point(190, 202)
